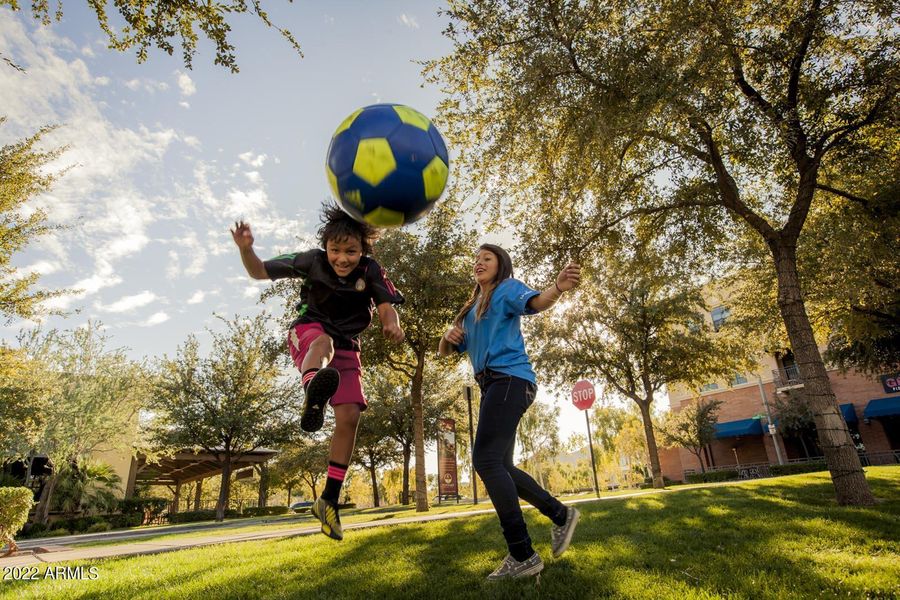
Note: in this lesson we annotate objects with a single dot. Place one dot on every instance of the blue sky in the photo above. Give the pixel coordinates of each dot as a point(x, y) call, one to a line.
point(163, 159)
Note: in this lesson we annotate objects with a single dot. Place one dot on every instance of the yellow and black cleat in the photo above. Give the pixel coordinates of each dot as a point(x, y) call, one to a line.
point(327, 513)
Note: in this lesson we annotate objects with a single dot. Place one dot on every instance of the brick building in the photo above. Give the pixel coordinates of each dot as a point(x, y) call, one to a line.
point(744, 438)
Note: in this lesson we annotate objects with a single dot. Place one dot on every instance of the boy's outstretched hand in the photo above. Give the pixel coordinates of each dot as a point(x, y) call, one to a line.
point(569, 277)
point(242, 235)
point(393, 332)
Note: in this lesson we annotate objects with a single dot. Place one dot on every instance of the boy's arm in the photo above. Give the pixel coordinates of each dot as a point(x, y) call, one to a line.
point(253, 264)
point(390, 322)
point(243, 238)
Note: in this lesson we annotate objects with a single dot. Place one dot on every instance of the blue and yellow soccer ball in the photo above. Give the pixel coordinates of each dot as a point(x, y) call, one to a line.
point(387, 165)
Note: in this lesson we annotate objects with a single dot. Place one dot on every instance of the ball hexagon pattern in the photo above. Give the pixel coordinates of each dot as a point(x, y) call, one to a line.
point(387, 164)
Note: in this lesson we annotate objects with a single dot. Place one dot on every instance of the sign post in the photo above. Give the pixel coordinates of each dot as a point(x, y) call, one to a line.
point(471, 446)
point(583, 398)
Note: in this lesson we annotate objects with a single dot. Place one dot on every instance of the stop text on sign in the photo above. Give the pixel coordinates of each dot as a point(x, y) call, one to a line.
point(583, 395)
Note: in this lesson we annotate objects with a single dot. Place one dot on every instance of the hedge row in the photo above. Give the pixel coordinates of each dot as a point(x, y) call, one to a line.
point(797, 469)
point(264, 511)
point(191, 516)
point(712, 476)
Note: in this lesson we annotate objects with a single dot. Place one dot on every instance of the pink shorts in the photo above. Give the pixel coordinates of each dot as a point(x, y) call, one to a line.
point(345, 361)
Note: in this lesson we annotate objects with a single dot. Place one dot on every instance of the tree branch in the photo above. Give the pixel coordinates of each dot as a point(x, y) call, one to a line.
point(827, 188)
point(727, 187)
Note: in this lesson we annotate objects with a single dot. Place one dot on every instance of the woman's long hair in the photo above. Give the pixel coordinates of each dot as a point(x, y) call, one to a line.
point(504, 271)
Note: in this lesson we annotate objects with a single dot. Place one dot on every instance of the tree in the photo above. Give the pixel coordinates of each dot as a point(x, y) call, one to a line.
point(375, 448)
point(227, 404)
point(693, 427)
point(94, 398)
point(716, 116)
point(87, 486)
point(795, 417)
point(23, 175)
point(442, 389)
point(301, 462)
point(434, 269)
point(160, 22)
point(638, 329)
point(538, 436)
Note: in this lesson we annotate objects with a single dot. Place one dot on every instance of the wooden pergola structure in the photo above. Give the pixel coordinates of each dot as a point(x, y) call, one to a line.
point(187, 466)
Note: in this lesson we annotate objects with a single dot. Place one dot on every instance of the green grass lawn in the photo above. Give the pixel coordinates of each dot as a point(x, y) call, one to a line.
point(282, 522)
point(773, 538)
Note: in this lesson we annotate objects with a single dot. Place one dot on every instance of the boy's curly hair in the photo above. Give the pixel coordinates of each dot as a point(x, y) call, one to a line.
point(338, 225)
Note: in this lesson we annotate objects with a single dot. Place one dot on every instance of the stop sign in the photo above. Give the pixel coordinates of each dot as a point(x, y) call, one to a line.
point(583, 394)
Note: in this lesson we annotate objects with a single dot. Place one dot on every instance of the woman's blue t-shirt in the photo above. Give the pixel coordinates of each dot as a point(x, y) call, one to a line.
point(495, 341)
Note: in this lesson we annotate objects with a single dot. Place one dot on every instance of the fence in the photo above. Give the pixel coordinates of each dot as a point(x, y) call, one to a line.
point(758, 470)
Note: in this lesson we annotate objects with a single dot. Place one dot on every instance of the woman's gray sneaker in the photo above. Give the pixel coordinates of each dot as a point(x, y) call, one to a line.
point(510, 568)
point(561, 535)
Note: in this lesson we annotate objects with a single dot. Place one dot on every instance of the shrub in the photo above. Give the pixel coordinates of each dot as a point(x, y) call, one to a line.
point(264, 511)
point(712, 476)
point(148, 508)
point(776, 470)
point(99, 527)
point(59, 531)
point(192, 516)
point(15, 502)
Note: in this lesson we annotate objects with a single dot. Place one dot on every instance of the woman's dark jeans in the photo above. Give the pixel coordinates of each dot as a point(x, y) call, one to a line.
point(504, 400)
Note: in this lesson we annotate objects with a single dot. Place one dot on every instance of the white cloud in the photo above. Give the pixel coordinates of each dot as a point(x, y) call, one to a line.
point(185, 84)
point(253, 160)
point(129, 303)
point(155, 319)
point(103, 80)
point(192, 141)
point(197, 298)
point(184, 104)
point(253, 176)
point(409, 21)
point(87, 51)
point(42, 267)
point(133, 84)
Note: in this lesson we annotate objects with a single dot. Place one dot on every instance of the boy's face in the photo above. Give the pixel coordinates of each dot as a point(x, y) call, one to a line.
point(343, 255)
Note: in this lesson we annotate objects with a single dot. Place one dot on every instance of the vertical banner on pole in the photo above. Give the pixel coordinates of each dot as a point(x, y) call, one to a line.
point(448, 484)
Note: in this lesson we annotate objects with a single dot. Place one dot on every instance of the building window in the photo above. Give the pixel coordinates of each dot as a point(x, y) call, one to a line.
point(719, 316)
point(738, 379)
point(708, 387)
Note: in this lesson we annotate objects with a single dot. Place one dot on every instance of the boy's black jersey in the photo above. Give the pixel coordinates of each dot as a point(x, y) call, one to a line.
point(343, 305)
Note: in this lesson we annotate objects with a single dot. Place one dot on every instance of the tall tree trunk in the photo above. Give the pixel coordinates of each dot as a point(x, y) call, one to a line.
point(197, 494)
point(407, 451)
point(42, 512)
point(419, 434)
point(652, 450)
point(224, 489)
point(847, 476)
point(699, 459)
point(374, 475)
point(289, 490)
point(263, 498)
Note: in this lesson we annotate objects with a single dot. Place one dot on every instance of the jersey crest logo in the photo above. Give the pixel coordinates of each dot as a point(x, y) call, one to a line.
point(360, 285)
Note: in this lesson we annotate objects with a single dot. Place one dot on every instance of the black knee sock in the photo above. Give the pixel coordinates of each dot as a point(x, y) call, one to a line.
point(307, 377)
point(336, 474)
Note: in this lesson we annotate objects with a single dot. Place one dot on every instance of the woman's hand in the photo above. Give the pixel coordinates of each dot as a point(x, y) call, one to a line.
point(569, 277)
point(455, 335)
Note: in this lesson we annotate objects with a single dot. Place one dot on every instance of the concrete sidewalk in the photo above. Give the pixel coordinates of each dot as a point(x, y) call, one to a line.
point(54, 551)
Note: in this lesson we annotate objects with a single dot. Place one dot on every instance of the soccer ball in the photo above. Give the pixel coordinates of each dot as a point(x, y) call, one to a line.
point(387, 165)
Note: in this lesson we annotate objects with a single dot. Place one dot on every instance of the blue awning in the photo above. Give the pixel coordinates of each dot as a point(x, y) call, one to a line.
point(739, 428)
point(849, 413)
point(882, 407)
